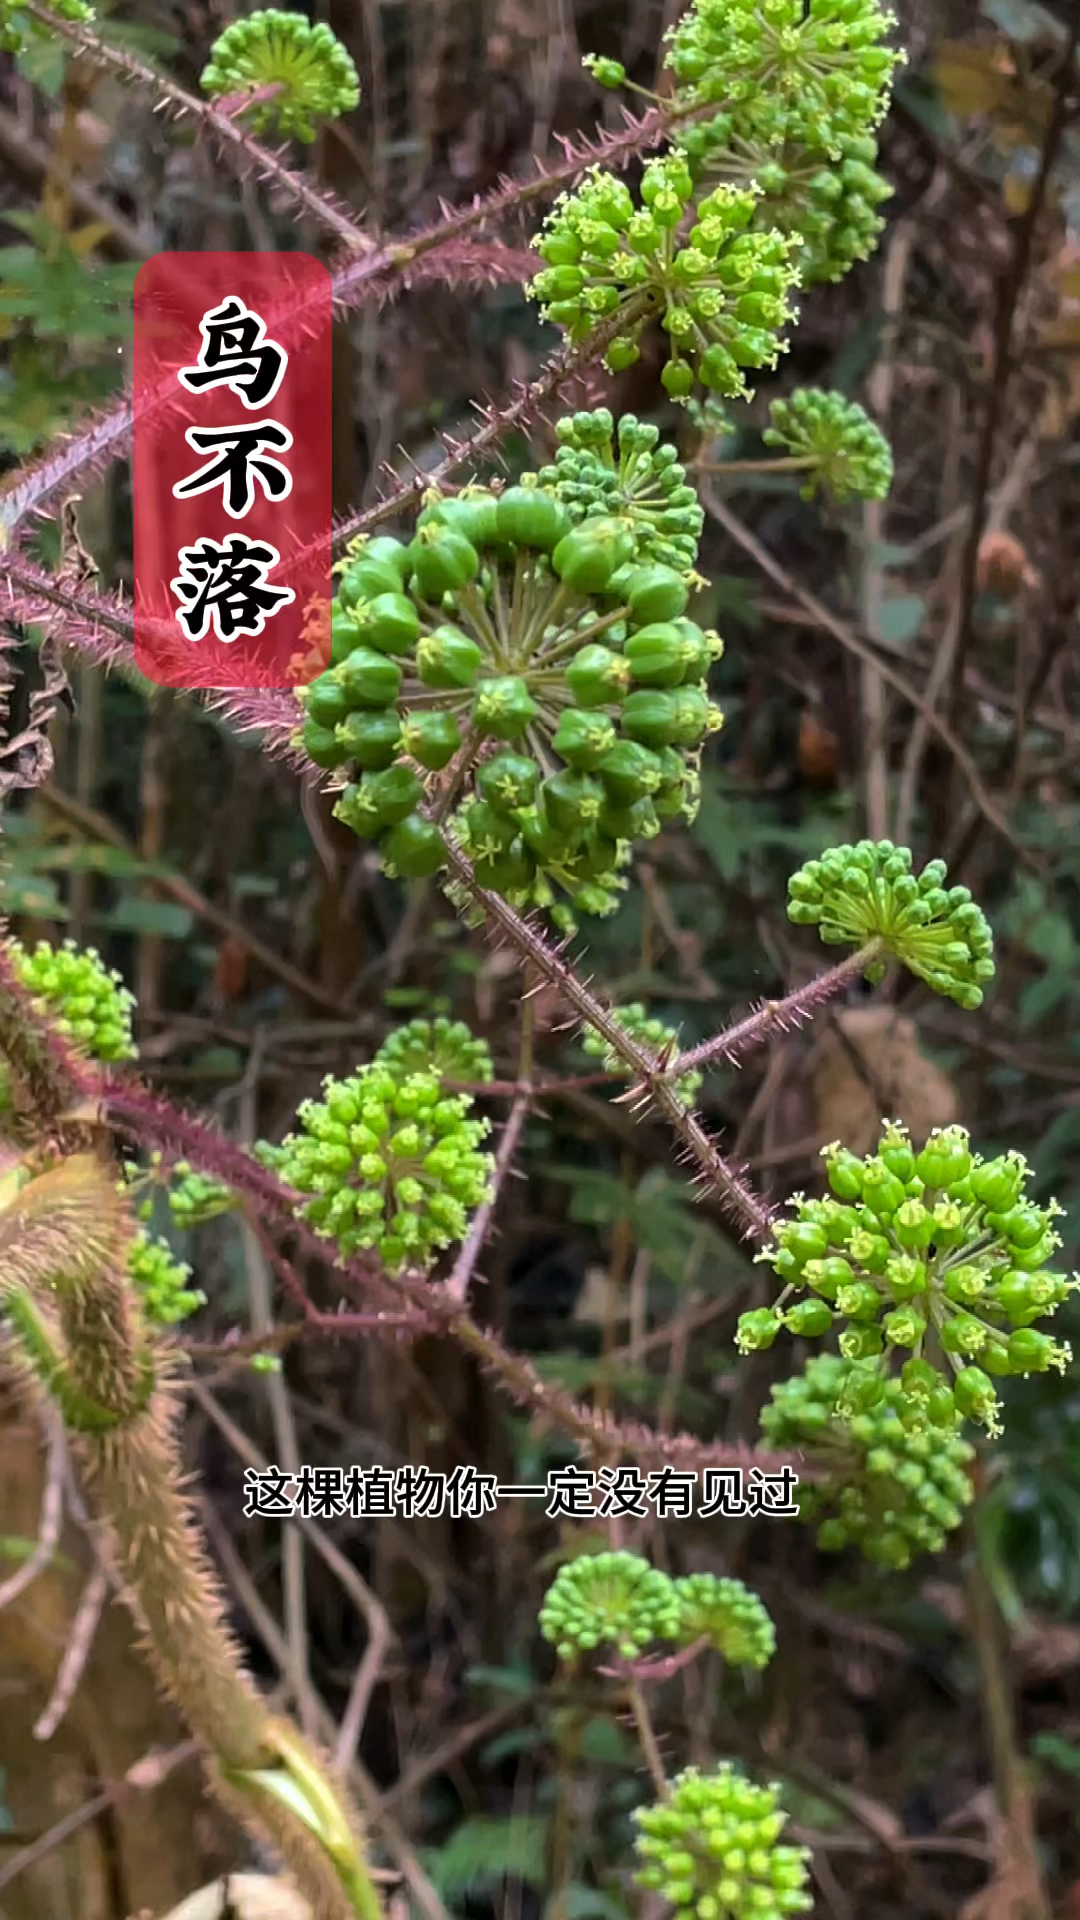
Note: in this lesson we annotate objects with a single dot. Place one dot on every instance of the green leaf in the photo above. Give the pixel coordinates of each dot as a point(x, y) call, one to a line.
point(221, 1062)
point(24, 893)
point(900, 621)
point(603, 1743)
point(133, 915)
point(1023, 21)
point(513, 1743)
point(43, 63)
point(1057, 1752)
point(517, 1681)
point(585, 1903)
point(484, 1849)
point(730, 598)
point(12, 1547)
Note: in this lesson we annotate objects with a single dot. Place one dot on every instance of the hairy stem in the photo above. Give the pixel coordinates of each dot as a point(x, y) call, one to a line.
point(63, 1238)
point(778, 1016)
point(751, 1213)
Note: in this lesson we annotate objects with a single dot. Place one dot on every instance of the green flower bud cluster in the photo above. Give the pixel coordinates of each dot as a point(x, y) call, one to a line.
point(554, 681)
point(87, 1001)
point(162, 1281)
point(732, 1617)
point(194, 1198)
point(894, 1493)
point(391, 1161)
point(316, 77)
point(609, 1599)
point(655, 1035)
point(618, 1599)
point(16, 26)
point(784, 72)
point(831, 203)
point(938, 1254)
point(854, 894)
point(627, 474)
point(720, 290)
point(441, 1046)
point(712, 1849)
point(843, 450)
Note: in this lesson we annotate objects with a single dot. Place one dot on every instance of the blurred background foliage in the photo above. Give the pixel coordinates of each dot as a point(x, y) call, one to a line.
point(877, 659)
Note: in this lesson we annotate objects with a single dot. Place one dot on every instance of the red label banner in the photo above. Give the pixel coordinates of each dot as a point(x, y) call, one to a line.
point(232, 469)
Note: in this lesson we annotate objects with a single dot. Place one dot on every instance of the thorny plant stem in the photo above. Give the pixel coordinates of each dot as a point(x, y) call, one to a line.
point(753, 1216)
point(568, 364)
point(777, 1016)
point(314, 203)
point(150, 1120)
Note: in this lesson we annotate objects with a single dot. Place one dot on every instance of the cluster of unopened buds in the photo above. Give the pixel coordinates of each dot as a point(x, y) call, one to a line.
point(834, 441)
point(866, 893)
point(626, 472)
point(388, 1160)
point(939, 1256)
point(883, 1486)
point(620, 1600)
point(298, 71)
point(523, 678)
point(86, 1001)
point(713, 1849)
point(162, 1282)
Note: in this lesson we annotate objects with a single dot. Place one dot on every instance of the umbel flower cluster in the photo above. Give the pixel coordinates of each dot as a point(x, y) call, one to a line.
point(892, 1493)
point(389, 1158)
point(719, 288)
point(86, 1001)
point(445, 1047)
point(863, 893)
point(609, 1599)
point(307, 74)
point(618, 1599)
point(525, 676)
point(728, 1615)
point(712, 1849)
point(939, 1256)
point(392, 1161)
point(770, 184)
point(194, 1197)
point(629, 474)
point(835, 441)
point(786, 73)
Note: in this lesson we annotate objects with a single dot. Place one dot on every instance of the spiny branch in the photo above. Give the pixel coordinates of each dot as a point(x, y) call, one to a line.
point(248, 152)
point(778, 1016)
point(564, 366)
point(149, 1118)
point(397, 256)
point(366, 271)
point(753, 1216)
